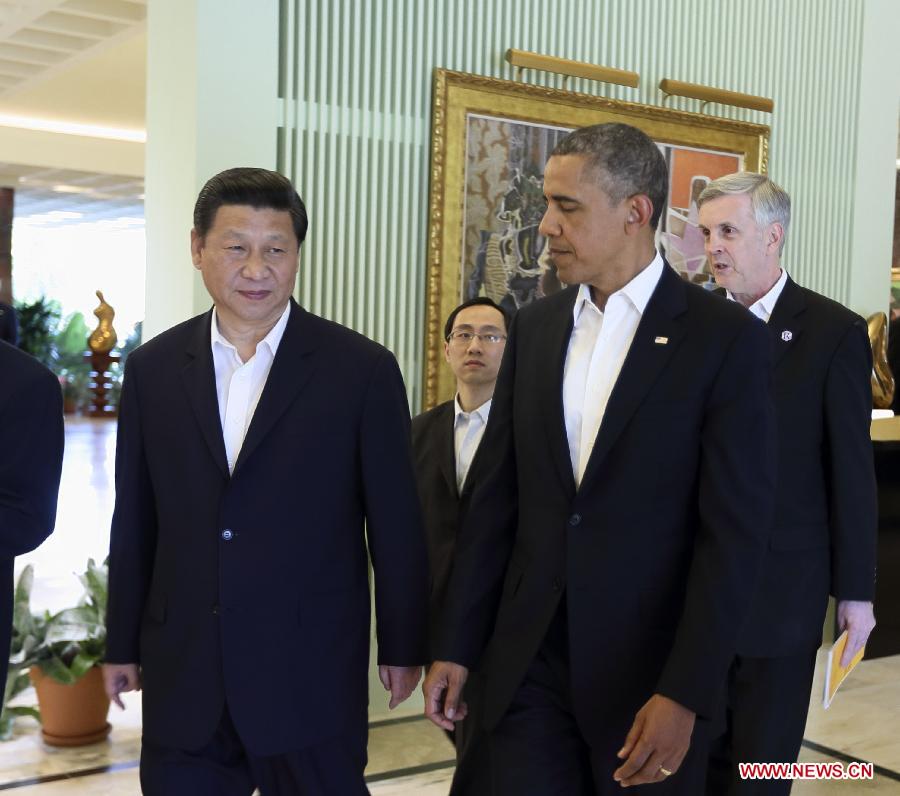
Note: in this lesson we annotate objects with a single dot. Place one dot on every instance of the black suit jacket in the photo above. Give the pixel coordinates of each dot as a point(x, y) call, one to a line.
point(252, 588)
point(9, 326)
point(658, 550)
point(442, 504)
point(826, 512)
point(31, 451)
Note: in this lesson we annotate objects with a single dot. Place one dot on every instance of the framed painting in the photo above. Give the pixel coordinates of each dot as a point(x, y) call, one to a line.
point(490, 141)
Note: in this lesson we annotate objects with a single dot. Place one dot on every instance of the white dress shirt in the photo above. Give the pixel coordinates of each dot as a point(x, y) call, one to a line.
point(764, 307)
point(597, 348)
point(468, 429)
point(239, 385)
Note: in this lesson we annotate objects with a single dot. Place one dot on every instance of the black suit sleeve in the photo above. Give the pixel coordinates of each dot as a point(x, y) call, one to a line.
point(132, 543)
point(736, 504)
point(393, 520)
point(31, 442)
point(487, 532)
point(851, 474)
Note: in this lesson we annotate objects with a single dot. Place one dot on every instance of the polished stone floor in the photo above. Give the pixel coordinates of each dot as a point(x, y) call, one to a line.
point(406, 754)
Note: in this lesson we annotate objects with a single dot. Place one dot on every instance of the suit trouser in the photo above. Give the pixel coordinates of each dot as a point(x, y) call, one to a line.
point(224, 767)
point(538, 749)
point(767, 703)
point(473, 770)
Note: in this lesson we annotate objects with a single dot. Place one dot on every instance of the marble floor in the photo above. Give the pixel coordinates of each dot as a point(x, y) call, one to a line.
point(407, 755)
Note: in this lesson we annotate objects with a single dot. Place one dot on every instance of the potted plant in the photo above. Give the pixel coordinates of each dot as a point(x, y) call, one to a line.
point(62, 652)
point(27, 633)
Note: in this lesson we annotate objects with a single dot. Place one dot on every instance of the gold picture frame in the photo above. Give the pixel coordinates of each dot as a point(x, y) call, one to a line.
point(466, 107)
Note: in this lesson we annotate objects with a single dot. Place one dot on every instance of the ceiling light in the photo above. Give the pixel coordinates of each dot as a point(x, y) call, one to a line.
point(72, 128)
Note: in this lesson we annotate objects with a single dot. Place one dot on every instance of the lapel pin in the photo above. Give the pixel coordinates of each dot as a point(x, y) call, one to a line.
point(661, 340)
point(787, 336)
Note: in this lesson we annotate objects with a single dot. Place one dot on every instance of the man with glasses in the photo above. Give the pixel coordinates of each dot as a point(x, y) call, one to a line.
point(445, 444)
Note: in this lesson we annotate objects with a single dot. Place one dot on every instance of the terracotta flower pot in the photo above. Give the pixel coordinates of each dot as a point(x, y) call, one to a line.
point(72, 715)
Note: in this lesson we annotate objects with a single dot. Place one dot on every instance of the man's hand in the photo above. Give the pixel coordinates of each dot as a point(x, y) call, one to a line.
point(400, 681)
point(119, 677)
point(442, 689)
point(858, 619)
point(657, 742)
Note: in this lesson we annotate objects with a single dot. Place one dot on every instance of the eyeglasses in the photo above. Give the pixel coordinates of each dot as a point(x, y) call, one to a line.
point(465, 338)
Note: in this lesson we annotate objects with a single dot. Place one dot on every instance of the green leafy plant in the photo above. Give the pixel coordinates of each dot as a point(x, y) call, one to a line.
point(38, 325)
point(65, 645)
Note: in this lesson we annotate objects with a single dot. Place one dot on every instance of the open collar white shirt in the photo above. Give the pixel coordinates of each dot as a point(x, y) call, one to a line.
point(763, 307)
point(468, 429)
point(597, 348)
point(239, 384)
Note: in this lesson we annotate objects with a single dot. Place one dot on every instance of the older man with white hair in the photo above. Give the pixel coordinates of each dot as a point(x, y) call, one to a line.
point(824, 531)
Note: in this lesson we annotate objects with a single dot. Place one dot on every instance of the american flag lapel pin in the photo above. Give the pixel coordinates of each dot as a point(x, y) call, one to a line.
point(660, 340)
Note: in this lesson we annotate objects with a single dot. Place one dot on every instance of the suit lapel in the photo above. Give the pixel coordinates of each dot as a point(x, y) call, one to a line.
point(199, 377)
point(645, 359)
point(291, 370)
point(785, 324)
point(446, 448)
point(556, 339)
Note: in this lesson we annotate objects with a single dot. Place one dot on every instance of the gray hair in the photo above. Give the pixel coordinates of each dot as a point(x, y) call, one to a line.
point(626, 162)
point(769, 201)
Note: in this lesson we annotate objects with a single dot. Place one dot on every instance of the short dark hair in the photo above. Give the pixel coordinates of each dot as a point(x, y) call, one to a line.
point(476, 302)
point(258, 188)
point(625, 161)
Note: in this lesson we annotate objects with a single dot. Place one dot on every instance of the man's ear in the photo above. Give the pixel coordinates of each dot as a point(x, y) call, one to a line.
point(196, 246)
point(774, 237)
point(640, 211)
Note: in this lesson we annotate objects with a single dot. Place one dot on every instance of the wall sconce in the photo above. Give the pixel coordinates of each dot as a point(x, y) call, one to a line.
point(522, 59)
point(707, 94)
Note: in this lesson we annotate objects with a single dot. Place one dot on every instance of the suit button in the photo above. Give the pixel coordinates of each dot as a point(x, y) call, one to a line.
point(574, 520)
point(228, 534)
point(557, 584)
point(215, 610)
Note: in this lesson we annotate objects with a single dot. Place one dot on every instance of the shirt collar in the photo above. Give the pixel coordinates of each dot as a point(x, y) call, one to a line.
point(482, 411)
point(272, 339)
point(637, 291)
point(765, 306)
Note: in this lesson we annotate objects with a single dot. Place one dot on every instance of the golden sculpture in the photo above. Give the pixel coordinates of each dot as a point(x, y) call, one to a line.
point(103, 338)
point(882, 378)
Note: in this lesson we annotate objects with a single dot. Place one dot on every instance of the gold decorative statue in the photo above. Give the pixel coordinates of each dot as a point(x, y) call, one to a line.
point(103, 338)
point(882, 378)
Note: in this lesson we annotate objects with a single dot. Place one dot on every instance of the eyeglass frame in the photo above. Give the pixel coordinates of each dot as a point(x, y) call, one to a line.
point(455, 336)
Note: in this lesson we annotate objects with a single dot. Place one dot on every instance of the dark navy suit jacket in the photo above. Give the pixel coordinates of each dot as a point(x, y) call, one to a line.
point(31, 451)
point(658, 550)
point(252, 588)
point(826, 508)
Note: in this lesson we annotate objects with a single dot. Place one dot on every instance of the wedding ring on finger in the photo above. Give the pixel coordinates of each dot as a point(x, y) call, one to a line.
point(665, 772)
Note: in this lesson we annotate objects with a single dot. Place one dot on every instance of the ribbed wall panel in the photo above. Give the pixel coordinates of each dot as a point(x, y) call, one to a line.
point(354, 135)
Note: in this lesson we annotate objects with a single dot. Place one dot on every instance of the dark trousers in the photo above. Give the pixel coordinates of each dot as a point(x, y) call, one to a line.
point(473, 771)
point(224, 767)
point(537, 749)
point(766, 706)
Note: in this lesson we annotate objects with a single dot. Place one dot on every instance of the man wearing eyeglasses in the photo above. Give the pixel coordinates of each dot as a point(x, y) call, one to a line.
point(445, 443)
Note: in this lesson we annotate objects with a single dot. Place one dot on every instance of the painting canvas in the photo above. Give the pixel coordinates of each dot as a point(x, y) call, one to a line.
point(491, 139)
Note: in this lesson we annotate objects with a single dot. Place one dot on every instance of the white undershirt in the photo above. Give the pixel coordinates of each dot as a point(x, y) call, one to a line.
point(468, 429)
point(763, 307)
point(239, 385)
point(597, 348)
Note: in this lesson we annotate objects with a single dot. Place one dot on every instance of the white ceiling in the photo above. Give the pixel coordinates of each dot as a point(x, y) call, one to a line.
point(80, 61)
point(40, 38)
point(51, 191)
